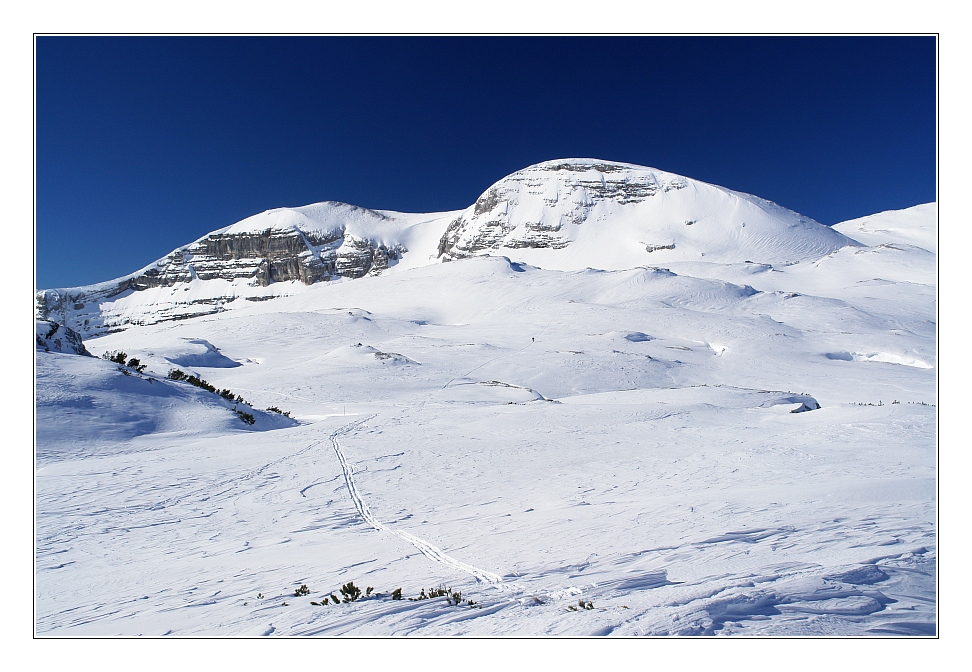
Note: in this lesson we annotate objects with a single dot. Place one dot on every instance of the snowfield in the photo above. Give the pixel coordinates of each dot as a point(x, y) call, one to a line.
point(579, 444)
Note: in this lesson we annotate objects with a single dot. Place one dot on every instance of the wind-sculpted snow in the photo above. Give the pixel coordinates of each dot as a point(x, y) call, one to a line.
point(687, 448)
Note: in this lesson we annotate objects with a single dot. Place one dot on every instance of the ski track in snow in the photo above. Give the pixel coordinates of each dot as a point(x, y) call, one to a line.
point(428, 550)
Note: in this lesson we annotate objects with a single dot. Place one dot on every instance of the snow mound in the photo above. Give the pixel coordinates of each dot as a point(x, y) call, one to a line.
point(89, 406)
point(485, 392)
point(364, 355)
point(916, 226)
point(885, 357)
point(200, 352)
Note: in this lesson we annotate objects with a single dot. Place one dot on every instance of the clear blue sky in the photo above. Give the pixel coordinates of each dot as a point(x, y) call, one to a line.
point(147, 143)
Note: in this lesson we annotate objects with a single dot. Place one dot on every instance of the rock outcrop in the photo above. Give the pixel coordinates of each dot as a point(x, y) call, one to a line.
point(54, 337)
point(531, 207)
point(277, 246)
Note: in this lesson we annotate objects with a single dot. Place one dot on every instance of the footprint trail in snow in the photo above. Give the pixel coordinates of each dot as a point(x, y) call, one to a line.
point(428, 550)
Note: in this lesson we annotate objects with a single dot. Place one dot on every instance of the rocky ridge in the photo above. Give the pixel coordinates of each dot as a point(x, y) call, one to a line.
point(282, 245)
point(567, 214)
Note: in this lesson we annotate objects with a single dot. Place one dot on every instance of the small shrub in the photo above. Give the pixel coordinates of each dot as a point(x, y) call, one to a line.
point(335, 599)
point(244, 416)
point(134, 363)
point(226, 394)
point(397, 594)
point(176, 374)
point(116, 356)
point(303, 590)
point(368, 591)
point(274, 409)
point(350, 591)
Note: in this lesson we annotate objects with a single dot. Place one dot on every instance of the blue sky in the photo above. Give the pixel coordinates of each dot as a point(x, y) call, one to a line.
point(144, 144)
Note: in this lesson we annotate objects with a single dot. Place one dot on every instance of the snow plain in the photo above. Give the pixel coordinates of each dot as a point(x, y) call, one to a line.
point(533, 437)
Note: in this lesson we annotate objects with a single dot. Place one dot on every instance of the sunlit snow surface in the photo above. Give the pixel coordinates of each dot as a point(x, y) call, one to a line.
point(533, 438)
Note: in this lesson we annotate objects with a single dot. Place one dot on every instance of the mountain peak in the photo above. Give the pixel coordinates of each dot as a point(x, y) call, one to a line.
point(612, 214)
point(564, 214)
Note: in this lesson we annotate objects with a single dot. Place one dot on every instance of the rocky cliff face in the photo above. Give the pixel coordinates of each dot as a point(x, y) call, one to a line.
point(281, 249)
point(534, 207)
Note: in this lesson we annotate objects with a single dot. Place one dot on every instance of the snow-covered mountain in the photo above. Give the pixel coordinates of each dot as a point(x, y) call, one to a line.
point(579, 435)
point(564, 215)
point(576, 213)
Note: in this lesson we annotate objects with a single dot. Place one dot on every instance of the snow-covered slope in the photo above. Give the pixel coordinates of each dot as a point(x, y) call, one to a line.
point(744, 446)
point(917, 226)
point(569, 214)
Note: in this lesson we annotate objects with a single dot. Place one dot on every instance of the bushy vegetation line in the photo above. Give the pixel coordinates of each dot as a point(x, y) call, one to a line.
point(119, 357)
point(134, 364)
point(182, 376)
point(352, 593)
point(452, 596)
point(179, 375)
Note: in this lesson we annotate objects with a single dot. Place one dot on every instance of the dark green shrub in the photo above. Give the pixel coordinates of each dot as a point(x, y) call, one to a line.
point(244, 416)
point(397, 594)
point(303, 590)
point(335, 599)
point(176, 374)
point(116, 356)
point(134, 363)
point(368, 591)
point(350, 591)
